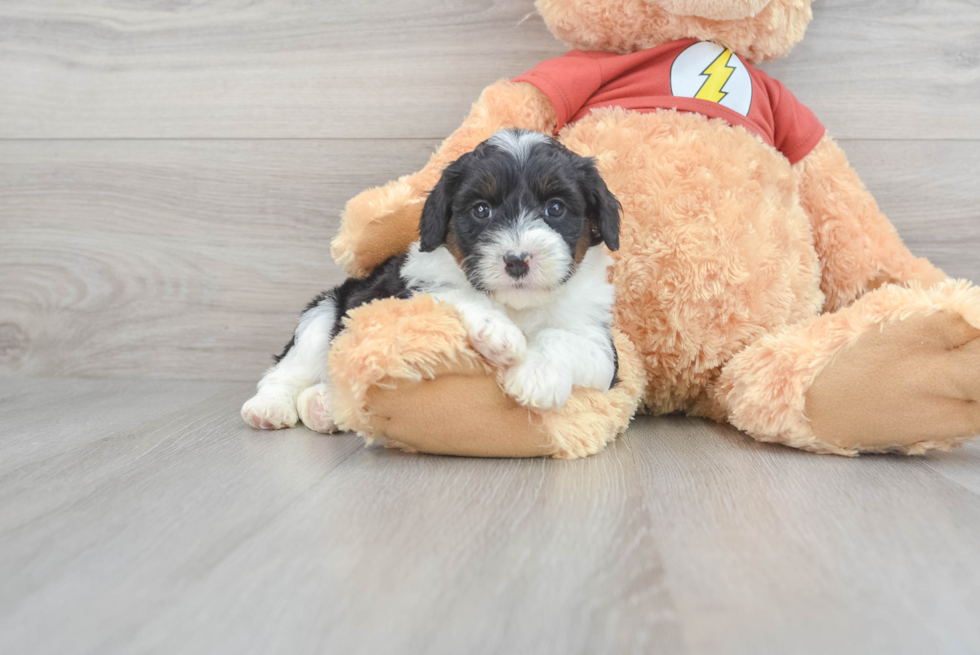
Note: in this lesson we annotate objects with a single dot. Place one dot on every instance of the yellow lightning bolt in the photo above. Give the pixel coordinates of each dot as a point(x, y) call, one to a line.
point(718, 73)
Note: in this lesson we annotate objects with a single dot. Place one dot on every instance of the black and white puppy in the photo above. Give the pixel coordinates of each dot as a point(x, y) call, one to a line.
point(511, 236)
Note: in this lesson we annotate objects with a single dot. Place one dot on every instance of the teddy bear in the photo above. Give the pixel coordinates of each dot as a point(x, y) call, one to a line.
point(757, 282)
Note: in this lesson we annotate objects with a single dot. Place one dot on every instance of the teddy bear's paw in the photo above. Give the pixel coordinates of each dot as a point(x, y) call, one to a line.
point(539, 383)
point(269, 411)
point(316, 408)
point(499, 340)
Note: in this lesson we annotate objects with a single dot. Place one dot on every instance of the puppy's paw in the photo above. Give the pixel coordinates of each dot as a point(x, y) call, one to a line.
point(266, 411)
point(539, 383)
point(499, 340)
point(316, 409)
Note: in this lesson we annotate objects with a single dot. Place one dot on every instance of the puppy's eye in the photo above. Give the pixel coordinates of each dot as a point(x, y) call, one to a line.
point(554, 209)
point(481, 210)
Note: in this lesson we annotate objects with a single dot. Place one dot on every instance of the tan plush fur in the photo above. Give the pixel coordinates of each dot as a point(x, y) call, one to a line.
point(713, 9)
point(765, 386)
point(624, 26)
point(776, 297)
point(701, 272)
point(858, 248)
point(405, 370)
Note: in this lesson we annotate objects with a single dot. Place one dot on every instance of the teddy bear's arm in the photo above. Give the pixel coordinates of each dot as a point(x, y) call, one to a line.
point(383, 221)
point(857, 244)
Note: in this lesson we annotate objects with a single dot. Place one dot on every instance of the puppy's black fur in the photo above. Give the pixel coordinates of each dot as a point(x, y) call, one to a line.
point(515, 188)
point(385, 281)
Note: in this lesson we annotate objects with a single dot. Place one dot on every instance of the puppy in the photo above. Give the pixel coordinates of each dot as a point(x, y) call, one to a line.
point(512, 236)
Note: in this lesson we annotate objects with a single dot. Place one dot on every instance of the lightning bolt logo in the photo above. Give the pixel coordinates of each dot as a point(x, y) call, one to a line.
point(718, 73)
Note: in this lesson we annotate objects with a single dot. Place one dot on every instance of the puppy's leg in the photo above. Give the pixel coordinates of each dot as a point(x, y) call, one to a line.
point(491, 332)
point(302, 366)
point(556, 361)
point(315, 407)
point(495, 336)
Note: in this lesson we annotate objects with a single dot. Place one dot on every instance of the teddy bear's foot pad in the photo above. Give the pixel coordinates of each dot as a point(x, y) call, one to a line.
point(912, 384)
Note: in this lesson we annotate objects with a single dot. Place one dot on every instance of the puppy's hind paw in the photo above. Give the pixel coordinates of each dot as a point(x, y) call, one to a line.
point(539, 383)
point(269, 412)
point(499, 340)
point(315, 409)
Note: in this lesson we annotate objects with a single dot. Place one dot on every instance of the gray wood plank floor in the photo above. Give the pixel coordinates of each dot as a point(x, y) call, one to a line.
point(143, 516)
point(170, 176)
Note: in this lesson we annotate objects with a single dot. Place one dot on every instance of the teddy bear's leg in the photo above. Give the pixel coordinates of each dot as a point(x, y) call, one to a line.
point(898, 370)
point(383, 221)
point(404, 371)
point(858, 247)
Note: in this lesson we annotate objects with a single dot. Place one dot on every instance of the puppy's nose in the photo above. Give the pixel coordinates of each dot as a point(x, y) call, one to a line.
point(516, 265)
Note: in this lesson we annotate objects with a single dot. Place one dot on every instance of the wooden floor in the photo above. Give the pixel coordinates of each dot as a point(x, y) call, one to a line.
point(143, 516)
point(171, 174)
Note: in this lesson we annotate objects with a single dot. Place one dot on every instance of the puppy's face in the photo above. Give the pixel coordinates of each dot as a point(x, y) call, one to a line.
point(519, 213)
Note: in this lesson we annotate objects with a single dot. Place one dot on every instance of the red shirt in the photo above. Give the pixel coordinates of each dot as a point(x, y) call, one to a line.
point(689, 75)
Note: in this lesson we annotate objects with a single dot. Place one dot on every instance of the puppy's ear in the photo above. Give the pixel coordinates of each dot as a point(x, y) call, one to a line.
point(602, 207)
point(438, 209)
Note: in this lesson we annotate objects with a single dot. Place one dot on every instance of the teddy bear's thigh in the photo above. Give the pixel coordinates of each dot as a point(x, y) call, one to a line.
point(899, 370)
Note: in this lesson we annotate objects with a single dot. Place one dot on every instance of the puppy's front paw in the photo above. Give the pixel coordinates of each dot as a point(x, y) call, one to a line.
point(269, 411)
point(499, 340)
point(539, 383)
point(315, 409)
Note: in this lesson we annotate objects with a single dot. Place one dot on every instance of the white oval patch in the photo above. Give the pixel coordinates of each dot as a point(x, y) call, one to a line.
point(708, 71)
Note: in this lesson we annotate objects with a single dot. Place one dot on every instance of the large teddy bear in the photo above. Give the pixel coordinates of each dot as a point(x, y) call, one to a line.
point(757, 282)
